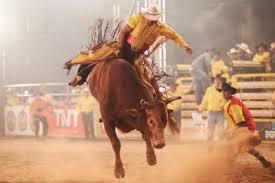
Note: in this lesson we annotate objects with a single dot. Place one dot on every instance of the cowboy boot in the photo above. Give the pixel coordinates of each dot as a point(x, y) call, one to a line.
point(75, 81)
point(258, 156)
point(265, 163)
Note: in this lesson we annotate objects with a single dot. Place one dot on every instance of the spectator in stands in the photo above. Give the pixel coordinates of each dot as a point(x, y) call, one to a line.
point(38, 109)
point(263, 56)
point(176, 90)
point(11, 98)
point(85, 105)
point(213, 102)
point(233, 54)
point(237, 115)
point(272, 56)
point(200, 72)
point(218, 66)
point(244, 52)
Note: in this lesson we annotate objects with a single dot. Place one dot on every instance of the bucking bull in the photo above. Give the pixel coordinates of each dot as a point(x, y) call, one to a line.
point(126, 104)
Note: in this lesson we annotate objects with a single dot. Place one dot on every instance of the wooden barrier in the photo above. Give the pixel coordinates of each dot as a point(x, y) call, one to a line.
point(188, 98)
point(183, 67)
point(262, 76)
point(249, 104)
point(267, 113)
point(259, 104)
point(243, 96)
point(189, 105)
point(254, 96)
point(258, 100)
point(246, 64)
point(255, 85)
point(255, 113)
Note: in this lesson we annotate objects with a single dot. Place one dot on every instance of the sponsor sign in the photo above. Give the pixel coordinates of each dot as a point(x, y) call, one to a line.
point(63, 120)
point(17, 121)
point(270, 135)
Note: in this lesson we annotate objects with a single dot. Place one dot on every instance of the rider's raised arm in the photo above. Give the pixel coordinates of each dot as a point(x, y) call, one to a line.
point(170, 33)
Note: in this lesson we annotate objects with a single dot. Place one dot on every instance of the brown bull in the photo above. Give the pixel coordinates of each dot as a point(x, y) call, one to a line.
point(127, 105)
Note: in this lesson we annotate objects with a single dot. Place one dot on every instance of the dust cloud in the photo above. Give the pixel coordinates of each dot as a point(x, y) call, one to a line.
point(80, 161)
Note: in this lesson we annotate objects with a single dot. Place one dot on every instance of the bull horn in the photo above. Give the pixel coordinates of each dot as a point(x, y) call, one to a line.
point(143, 103)
point(171, 99)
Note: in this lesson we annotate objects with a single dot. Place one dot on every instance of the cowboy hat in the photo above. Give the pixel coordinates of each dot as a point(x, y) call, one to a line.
point(153, 12)
point(244, 47)
point(228, 87)
point(272, 46)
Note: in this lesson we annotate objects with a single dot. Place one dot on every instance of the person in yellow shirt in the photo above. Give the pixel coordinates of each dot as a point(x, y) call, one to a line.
point(11, 98)
point(218, 66)
point(85, 105)
point(263, 56)
point(140, 32)
point(213, 102)
point(176, 90)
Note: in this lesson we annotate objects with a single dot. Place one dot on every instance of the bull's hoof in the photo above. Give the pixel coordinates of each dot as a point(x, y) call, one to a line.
point(119, 172)
point(151, 159)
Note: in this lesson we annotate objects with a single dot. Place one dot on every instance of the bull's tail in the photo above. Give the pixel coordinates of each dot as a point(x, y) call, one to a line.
point(173, 125)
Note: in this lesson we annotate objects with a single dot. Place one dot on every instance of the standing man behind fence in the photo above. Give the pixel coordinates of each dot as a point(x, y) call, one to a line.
point(200, 71)
point(38, 108)
point(85, 105)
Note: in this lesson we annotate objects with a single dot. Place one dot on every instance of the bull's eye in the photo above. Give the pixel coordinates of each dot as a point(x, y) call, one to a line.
point(151, 122)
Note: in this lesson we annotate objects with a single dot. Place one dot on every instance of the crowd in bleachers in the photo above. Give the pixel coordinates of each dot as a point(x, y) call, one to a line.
point(263, 55)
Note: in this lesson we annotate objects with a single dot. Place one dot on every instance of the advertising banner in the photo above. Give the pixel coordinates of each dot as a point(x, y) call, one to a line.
point(65, 121)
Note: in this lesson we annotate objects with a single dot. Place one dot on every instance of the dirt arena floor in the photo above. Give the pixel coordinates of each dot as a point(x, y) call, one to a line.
point(58, 160)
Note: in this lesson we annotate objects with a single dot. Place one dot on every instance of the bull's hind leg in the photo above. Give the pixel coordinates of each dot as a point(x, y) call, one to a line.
point(150, 152)
point(110, 130)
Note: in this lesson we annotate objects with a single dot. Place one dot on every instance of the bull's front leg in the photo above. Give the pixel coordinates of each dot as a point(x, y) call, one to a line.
point(110, 130)
point(150, 152)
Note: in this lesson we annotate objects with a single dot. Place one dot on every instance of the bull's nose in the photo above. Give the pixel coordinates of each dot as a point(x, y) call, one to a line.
point(159, 146)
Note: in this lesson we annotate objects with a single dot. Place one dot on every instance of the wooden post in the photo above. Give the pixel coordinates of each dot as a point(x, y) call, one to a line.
point(2, 97)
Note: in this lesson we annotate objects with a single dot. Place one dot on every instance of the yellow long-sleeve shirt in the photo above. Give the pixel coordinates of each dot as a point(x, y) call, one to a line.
point(213, 100)
point(145, 34)
point(260, 58)
point(85, 104)
point(218, 67)
point(179, 91)
point(264, 59)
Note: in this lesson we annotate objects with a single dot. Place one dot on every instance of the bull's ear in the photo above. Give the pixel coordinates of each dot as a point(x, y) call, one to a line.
point(171, 99)
point(144, 104)
point(132, 113)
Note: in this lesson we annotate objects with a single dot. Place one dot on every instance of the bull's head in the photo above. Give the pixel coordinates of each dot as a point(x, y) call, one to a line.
point(156, 118)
